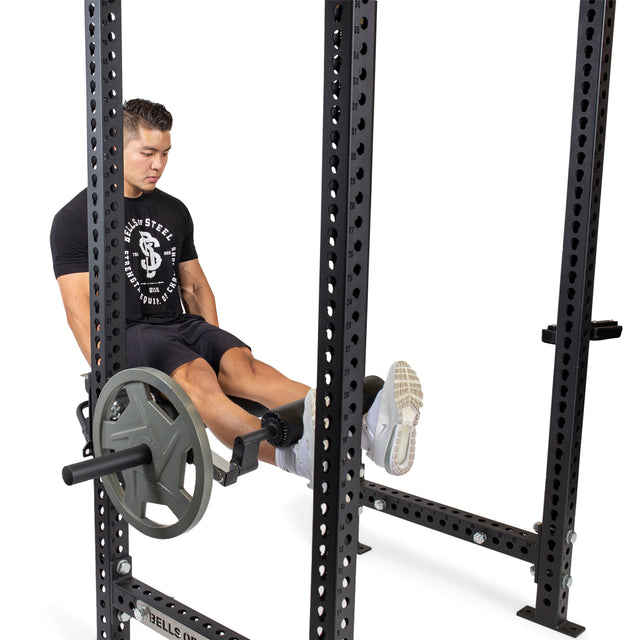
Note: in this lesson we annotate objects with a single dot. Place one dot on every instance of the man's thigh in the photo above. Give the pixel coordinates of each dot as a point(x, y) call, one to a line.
point(211, 342)
point(157, 346)
point(169, 346)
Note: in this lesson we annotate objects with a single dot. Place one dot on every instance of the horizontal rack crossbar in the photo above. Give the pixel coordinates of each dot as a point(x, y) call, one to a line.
point(173, 617)
point(484, 532)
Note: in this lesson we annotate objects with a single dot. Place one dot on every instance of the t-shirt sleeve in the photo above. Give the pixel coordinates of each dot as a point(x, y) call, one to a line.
point(69, 243)
point(188, 251)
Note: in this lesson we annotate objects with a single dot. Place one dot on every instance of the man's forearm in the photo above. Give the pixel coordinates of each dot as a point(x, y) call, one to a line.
point(80, 326)
point(202, 302)
point(74, 288)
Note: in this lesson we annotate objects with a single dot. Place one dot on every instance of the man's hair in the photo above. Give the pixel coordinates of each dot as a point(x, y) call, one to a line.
point(139, 113)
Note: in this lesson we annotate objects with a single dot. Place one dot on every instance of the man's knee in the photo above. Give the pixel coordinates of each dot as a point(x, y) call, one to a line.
point(238, 363)
point(198, 379)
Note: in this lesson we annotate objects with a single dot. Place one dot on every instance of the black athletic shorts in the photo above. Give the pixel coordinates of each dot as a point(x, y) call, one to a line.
point(169, 346)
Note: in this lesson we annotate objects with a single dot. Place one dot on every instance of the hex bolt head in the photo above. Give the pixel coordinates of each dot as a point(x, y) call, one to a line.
point(123, 617)
point(479, 537)
point(141, 613)
point(567, 581)
point(123, 567)
point(537, 526)
point(380, 505)
point(572, 536)
point(532, 570)
point(116, 410)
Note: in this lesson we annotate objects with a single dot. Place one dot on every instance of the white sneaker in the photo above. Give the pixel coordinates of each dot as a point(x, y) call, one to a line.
point(394, 432)
point(298, 458)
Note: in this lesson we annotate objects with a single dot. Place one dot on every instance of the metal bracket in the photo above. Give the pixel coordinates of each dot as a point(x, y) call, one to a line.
point(600, 330)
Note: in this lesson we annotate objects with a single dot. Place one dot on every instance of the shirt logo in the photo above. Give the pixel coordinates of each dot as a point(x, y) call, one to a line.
point(152, 260)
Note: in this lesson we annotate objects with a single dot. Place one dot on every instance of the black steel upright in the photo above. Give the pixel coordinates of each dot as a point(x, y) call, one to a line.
point(105, 201)
point(346, 196)
point(553, 569)
point(105, 197)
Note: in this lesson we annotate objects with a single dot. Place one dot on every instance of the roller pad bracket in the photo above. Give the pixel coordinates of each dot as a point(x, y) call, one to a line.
point(282, 432)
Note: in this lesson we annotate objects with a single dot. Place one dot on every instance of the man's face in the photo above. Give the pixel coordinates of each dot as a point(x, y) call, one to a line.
point(144, 161)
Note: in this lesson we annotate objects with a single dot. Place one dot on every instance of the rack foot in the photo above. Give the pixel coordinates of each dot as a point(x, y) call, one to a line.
point(568, 628)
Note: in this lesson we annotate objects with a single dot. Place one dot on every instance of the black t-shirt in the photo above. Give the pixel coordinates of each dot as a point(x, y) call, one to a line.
point(158, 236)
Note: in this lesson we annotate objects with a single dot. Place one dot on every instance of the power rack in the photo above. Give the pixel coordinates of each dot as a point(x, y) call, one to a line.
point(340, 488)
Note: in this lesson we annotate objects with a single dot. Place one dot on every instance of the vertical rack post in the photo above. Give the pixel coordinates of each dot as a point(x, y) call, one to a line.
point(105, 199)
point(350, 27)
point(593, 65)
point(105, 210)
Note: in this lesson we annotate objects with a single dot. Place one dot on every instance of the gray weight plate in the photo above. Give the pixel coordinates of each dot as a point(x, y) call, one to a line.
point(145, 406)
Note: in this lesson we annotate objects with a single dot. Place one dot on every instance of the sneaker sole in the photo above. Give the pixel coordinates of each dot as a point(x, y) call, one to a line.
point(408, 398)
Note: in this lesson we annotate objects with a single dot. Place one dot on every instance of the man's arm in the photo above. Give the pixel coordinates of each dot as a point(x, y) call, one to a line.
point(196, 292)
point(74, 288)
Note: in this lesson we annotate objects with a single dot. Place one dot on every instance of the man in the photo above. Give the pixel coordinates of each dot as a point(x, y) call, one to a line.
point(172, 321)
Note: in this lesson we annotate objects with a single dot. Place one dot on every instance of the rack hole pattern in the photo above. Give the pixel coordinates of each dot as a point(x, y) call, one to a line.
point(512, 541)
point(105, 222)
point(104, 195)
point(349, 73)
point(112, 544)
point(575, 305)
point(128, 591)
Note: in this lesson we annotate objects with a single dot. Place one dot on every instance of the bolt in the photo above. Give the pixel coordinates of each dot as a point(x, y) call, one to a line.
point(567, 581)
point(123, 617)
point(532, 570)
point(537, 526)
point(123, 567)
point(141, 613)
point(380, 505)
point(116, 411)
point(572, 536)
point(479, 537)
point(360, 510)
point(362, 471)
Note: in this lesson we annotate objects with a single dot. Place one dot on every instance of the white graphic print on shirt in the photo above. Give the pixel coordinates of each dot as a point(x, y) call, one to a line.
point(149, 260)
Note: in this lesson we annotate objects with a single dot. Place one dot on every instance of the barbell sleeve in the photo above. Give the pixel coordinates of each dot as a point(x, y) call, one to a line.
point(106, 464)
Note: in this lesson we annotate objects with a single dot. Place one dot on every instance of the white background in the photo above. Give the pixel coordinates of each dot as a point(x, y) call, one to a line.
point(473, 115)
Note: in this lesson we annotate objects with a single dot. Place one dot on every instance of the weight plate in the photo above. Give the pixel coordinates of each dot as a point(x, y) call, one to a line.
point(145, 406)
